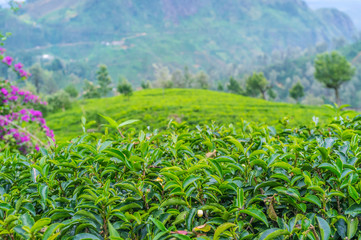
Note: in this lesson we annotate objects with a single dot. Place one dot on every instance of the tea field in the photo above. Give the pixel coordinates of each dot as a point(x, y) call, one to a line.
point(156, 107)
point(205, 183)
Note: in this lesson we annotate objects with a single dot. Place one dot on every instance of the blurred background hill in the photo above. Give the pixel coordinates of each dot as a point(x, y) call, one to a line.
point(139, 39)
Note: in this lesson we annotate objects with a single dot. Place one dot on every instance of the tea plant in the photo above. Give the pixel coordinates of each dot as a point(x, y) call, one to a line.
point(210, 182)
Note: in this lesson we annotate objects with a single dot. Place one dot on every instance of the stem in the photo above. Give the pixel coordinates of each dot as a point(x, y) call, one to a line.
point(121, 134)
point(314, 232)
point(338, 101)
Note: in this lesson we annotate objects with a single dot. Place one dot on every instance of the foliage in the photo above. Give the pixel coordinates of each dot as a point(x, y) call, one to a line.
point(173, 40)
point(145, 84)
point(257, 84)
point(202, 80)
point(37, 76)
point(297, 92)
point(210, 182)
point(156, 107)
point(22, 127)
point(333, 70)
point(90, 90)
point(104, 80)
point(125, 88)
point(59, 101)
point(72, 91)
point(234, 86)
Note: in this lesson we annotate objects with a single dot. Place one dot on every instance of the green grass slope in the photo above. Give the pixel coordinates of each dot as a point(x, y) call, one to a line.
point(156, 107)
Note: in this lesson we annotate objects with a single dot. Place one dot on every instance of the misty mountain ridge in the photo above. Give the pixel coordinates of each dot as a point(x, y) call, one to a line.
point(202, 33)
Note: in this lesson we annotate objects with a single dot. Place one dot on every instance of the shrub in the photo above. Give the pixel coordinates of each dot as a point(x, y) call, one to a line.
point(212, 182)
point(22, 126)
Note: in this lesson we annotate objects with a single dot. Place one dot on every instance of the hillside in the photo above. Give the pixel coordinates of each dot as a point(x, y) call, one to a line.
point(351, 7)
point(131, 35)
point(155, 108)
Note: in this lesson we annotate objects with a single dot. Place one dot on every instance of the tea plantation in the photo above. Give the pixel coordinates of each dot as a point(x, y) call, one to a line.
point(205, 182)
point(155, 108)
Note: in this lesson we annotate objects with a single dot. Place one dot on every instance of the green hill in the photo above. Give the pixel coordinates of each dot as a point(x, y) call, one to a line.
point(131, 35)
point(155, 108)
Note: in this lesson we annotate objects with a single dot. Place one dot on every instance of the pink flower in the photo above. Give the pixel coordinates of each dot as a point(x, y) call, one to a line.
point(13, 98)
point(24, 73)
point(18, 66)
point(2, 50)
point(8, 60)
point(23, 111)
point(4, 91)
point(25, 118)
point(37, 147)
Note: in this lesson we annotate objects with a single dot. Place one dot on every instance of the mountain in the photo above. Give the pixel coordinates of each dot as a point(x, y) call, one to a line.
point(131, 35)
point(351, 7)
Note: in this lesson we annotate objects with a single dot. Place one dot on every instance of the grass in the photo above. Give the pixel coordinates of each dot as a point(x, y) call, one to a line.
point(155, 108)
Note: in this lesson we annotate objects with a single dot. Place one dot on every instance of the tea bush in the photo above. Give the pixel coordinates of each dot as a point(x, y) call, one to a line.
point(195, 106)
point(207, 182)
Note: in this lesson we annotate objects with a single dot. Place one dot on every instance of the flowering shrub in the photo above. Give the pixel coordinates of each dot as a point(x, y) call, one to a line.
point(20, 122)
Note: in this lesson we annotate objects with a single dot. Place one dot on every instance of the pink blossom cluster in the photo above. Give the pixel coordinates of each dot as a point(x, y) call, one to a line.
point(16, 94)
point(9, 126)
point(21, 126)
point(17, 67)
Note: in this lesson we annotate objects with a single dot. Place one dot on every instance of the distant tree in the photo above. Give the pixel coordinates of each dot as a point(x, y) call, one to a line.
point(125, 88)
point(71, 90)
point(37, 76)
point(256, 84)
point(162, 76)
point(49, 85)
point(188, 77)
point(58, 101)
point(321, 47)
point(145, 84)
point(220, 87)
point(332, 70)
point(234, 86)
point(104, 80)
point(178, 79)
point(272, 94)
point(90, 90)
point(202, 80)
point(56, 65)
point(297, 91)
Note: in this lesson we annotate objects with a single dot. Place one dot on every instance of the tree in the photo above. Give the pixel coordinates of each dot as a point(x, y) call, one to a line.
point(59, 101)
point(188, 77)
point(220, 87)
point(202, 80)
point(37, 76)
point(104, 80)
point(90, 91)
point(234, 86)
point(125, 88)
point(178, 79)
point(71, 90)
point(332, 70)
point(256, 84)
point(145, 84)
point(297, 91)
point(162, 76)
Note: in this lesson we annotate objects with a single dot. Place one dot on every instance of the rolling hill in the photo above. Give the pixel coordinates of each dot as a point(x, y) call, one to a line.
point(155, 108)
point(131, 35)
